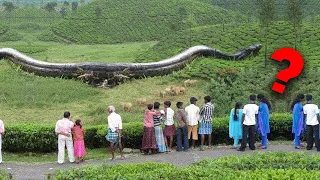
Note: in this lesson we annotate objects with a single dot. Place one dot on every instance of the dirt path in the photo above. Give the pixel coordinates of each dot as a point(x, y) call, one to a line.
point(41, 170)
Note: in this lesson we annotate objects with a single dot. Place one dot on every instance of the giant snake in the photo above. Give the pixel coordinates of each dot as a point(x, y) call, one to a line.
point(110, 71)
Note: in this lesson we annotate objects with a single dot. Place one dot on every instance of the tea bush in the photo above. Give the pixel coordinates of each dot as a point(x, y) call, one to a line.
point(272, 165)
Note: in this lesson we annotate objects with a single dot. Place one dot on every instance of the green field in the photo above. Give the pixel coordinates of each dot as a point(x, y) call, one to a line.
point(57, 52)
point(31, 99)
point(158, 32)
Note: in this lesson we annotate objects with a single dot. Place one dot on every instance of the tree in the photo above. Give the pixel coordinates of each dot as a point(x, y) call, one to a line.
point(74, 6)
point(63, 12)
point(50, 6)
point(66, 3)
point(266, 9)
point(9, 6)
point(82, 2)
point(295, 16)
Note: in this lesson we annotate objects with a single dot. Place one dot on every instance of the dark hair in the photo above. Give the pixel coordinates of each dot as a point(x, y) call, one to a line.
point(156, 105)
point(237, 106)
point(179, 104)
point(252, 97)
point(265, 100)
point(193, 100)
point(207, 98)
point(78, 121)
point(66, 114)
point(149, 106)
point(308, 97)
point(296, 100)
point(168, 103)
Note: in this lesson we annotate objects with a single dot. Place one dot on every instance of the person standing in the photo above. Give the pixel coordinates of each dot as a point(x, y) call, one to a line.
point(205, 127)
point(1, 133)
point(63, 130)
point(149, 144)
point(312, 121)
point(298, 124)
point(78, 141)
point(182, 130)
point(263, 120)
point(158, 129)
point(193, 116)
point(169, 130)
point(250, 113)
point(235, 128)
point(114, 131)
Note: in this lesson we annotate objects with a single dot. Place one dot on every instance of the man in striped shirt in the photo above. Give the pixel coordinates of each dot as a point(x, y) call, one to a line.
point(205, 127)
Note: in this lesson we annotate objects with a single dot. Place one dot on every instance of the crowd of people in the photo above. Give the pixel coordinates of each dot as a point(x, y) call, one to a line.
point(244, 123)
point(154, 140)
point(192, 122)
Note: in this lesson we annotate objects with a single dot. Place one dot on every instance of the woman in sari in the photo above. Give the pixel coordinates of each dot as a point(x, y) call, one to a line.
point(298, 125)
point(235, 128)
point(263, 127)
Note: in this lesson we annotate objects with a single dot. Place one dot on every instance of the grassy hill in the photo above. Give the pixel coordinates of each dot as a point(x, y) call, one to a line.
point(39, 2)
point(108, 21)
point(26, 98)
point(29, 18)
point(232, 39)
point(250, 9)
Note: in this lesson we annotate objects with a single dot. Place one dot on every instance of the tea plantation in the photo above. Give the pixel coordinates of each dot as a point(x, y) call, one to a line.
point(124, 21)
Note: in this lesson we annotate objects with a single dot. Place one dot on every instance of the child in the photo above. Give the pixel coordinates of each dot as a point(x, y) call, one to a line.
point(1, 133)
point(169, 130)
point(250, 113)
point(149, 144)
point(235, 129)
point(263, 120)
point(79, 148)
point(182, 130)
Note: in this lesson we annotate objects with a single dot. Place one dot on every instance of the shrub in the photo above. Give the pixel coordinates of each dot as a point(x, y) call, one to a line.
point(10, 35)
point(30, 137)
point(273, 165)
point(42, 138)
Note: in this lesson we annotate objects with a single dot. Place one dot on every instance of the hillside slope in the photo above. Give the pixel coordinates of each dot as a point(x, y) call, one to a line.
point(108, 21)
point(233, 38)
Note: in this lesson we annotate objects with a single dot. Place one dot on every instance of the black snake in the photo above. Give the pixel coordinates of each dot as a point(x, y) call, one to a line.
point(110, 71)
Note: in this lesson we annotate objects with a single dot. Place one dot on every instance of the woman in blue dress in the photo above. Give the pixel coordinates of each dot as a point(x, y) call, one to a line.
point(298, 124)
point(235, 128)
point(263, 127)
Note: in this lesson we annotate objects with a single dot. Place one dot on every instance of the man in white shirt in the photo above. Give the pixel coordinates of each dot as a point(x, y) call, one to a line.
point(250, 113)
point(311, 112)
point(63, 130)
point(114, 131)
point(169, 129)
point(193, 117)
point(1, 133)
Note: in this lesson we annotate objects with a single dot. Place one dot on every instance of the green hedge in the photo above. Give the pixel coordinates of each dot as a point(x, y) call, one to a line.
point(272, 165)
point(42, 138)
